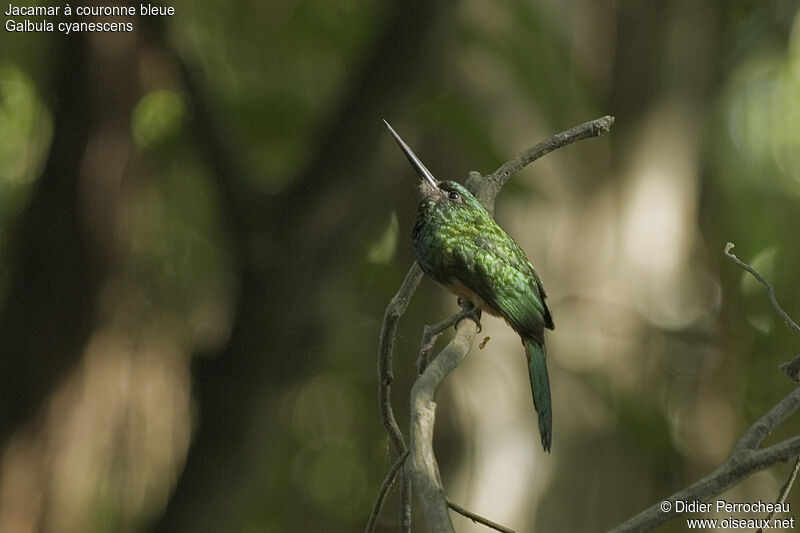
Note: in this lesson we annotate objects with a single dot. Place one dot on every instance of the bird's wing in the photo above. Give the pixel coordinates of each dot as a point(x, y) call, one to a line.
point(497, 270)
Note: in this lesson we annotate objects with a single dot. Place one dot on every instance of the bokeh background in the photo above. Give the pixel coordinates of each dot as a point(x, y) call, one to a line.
point(202, 221)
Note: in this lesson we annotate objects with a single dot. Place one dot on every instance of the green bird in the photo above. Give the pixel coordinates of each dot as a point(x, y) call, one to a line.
point(459, 245)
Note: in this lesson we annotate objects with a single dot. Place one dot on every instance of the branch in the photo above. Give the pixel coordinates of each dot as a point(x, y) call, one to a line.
point(770, 289)
point(396, 308)
point(784, 491)
point(746, 458)
point(477, 518)
point(388, 481)
point(431, 333)
point(488, 187)
point(421, 466)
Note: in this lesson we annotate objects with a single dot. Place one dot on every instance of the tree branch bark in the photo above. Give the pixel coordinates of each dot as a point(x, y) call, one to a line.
point(421, 466)
point(477, 518)
point(396, 308)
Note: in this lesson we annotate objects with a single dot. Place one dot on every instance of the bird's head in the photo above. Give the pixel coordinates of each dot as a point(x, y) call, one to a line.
point(445, 194)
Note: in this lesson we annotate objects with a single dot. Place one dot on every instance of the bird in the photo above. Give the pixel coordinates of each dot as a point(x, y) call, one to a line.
point(460, 246)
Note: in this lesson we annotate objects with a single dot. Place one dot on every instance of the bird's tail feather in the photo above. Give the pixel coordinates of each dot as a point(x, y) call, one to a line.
point(540, 386)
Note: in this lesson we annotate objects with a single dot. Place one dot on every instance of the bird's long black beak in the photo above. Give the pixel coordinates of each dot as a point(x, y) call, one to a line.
point(423, 172)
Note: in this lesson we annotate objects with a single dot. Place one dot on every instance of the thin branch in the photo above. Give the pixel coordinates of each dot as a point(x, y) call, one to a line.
point(789, 482)
point(790, 368)
point(430, 334)
point(593, 128)
point(388, 481)
point(396, 308)
point(486, 189)
point(762, 427)
point(770, 289)
point(478, 518)
point(784, 492)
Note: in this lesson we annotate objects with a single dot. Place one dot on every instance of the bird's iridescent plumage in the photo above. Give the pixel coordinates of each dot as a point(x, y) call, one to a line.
point(459, 244)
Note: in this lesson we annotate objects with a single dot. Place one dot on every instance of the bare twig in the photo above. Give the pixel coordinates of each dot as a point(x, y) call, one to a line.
point(593, 128)
point(788, 485)
point(430, 334)
point(478, 518)
point(396, 308)
point(488, 187)
point(388, 481)
point(746, 457)
point(790, 368)
point(784, 491)
point(770, 289)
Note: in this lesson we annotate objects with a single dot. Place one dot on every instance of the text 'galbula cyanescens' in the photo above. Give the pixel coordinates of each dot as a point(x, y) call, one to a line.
point(459, 245)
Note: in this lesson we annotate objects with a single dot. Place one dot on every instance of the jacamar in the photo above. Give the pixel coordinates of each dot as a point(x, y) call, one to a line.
point(459, 245)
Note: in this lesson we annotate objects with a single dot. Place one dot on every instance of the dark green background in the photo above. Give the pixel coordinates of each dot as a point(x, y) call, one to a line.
point(202, 221)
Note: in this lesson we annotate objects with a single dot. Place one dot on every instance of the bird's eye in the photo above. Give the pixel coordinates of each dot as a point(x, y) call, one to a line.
point(454, 196)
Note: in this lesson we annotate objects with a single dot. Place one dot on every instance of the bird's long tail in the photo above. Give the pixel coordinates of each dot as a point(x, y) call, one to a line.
point(540, 385)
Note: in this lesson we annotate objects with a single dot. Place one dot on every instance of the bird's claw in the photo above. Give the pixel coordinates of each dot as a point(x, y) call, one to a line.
point(469, 311)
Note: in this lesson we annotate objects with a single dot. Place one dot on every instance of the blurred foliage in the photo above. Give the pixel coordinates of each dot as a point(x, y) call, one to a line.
point(157, 117)
point(26, 128)
point(25, 132)
point(284, 60)
point(383, 250)
point(664, 352)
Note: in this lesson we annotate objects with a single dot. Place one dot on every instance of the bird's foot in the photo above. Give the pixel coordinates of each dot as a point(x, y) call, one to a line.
point(468, 310)
point(432, 332)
